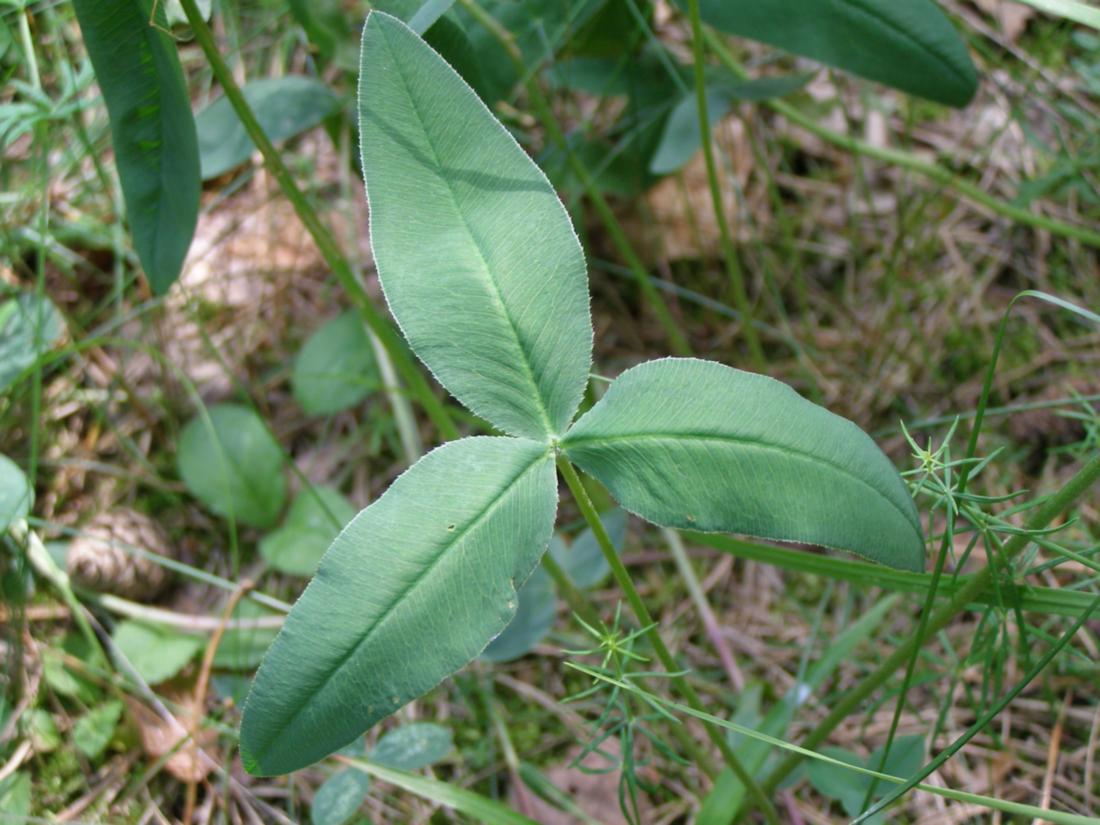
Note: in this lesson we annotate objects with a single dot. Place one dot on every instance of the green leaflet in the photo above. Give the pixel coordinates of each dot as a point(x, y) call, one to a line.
point(698, 445)
point(412, 590)
point(907, 44)
point(476, 254)
point(233, 465)
point(336, 368)
point(153, 132)
point(29, 327)
point(284, 106)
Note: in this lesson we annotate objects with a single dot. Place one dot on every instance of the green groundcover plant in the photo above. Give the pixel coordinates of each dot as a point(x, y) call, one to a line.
point(485, 276)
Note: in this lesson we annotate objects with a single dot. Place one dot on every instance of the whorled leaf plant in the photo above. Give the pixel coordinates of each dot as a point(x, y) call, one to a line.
point(483, 272)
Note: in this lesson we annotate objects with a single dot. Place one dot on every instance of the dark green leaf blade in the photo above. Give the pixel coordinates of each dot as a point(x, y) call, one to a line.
point(476, 254)
point(413, 589)
point(697, 445)
point(907, 44)
point(152, 129)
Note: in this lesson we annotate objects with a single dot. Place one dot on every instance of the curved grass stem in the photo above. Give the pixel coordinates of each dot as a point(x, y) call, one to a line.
point(733, 267)
point(653, 636)
point(1077, 486)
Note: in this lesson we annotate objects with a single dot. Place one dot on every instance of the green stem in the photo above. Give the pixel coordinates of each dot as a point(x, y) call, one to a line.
point(326, 243)
point(677, 341)
point(733, 268)
point(1054, 506)
point(906, 160)
point(668, 661)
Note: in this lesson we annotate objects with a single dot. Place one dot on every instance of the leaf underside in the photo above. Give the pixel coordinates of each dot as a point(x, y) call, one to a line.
point(152, 130)
point(907, 44)
point(476, 254)
point(697, 445)
point(413, 589)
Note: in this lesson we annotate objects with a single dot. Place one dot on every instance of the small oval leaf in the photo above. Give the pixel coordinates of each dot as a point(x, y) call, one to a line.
point(152, 129)
point(410, 591)
point(336, 368)
point(907, 44)
point(315, 518)
point(476, 254)
point(414, 746)
point(156, 653)
point(233, 465)
point(29, 327)
point(337, 800)
point(701, 446)
point(284, 106)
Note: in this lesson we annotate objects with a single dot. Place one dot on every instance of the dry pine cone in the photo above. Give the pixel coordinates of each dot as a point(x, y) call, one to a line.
point(100, 557)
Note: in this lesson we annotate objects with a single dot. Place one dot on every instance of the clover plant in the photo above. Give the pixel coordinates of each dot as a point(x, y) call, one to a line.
point(485, 276)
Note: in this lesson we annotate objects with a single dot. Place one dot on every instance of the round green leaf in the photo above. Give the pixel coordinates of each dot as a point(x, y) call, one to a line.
point(313, 521)
point(697, 445)
point(410, 591)
point(336, 369)
point(29, 327)
point(156, 653)
point(337, 800)
point(533, 620)
point(16, 496)
point(414, 746)
point(233, 465)
point(476, 254)
point(284, 106)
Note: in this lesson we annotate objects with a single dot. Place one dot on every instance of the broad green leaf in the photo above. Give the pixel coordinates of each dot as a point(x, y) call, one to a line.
point(697, 445)
point(583, 561)
point(313, 521)
point(16, 496)
point(414, 746)
point(93, 731)
point(907, 44)
point(152, 129)
point(410, 591)
point(476, 254)
point(284, 106)
point(533, 620)
point(337, 800)
point(233, 465)
point(156, 653)
point(29, 327)
point(336, 369)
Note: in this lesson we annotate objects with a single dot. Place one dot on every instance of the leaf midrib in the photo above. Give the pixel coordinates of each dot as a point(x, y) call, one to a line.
point(498, 299)
point(726, 440)
point(457, 537)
